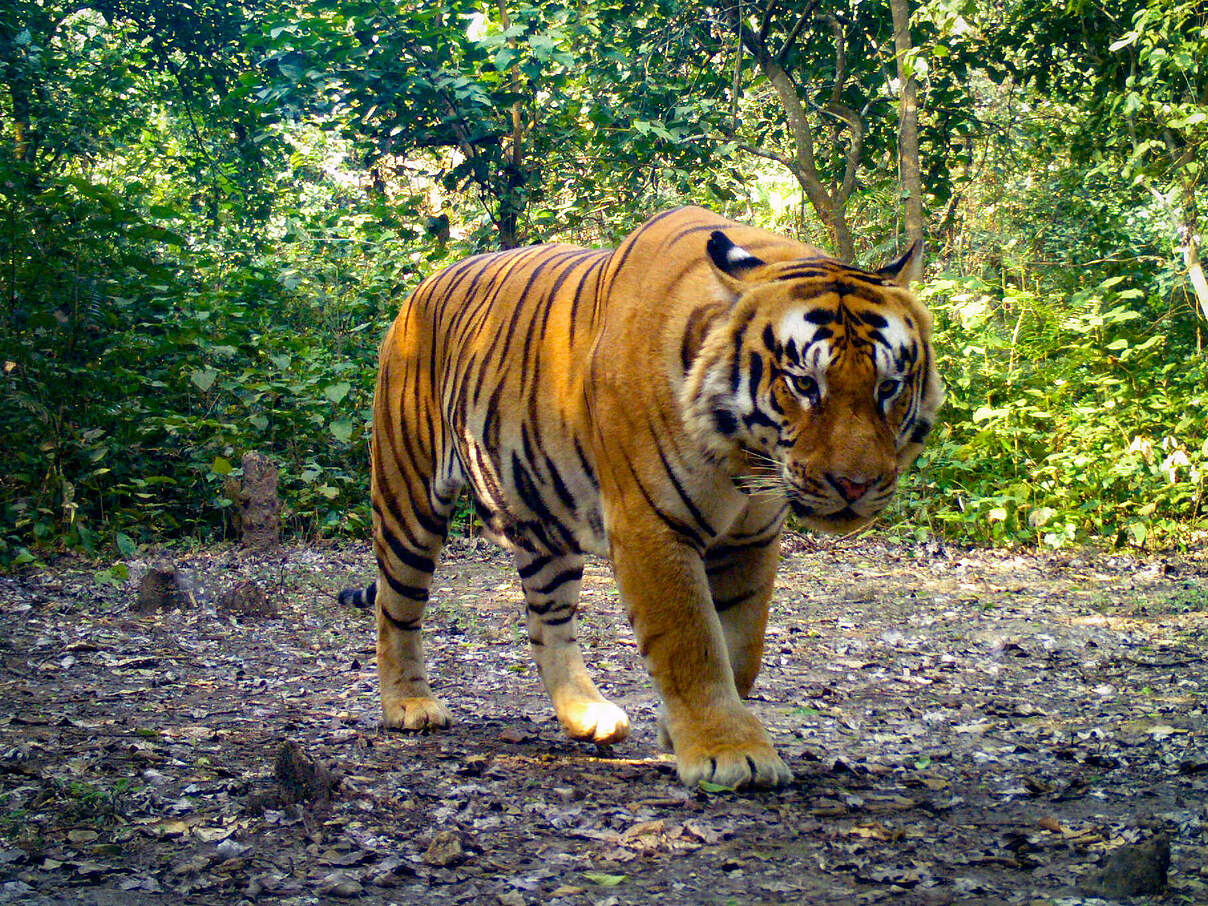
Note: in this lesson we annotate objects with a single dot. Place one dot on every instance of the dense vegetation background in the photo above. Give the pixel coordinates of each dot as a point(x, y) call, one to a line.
point(212, 209)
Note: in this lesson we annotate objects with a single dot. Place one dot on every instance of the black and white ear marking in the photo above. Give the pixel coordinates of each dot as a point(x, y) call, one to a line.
point(906, 269)
point(729, 258)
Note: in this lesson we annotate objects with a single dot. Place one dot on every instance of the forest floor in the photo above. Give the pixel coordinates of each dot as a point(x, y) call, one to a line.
point(964, 726)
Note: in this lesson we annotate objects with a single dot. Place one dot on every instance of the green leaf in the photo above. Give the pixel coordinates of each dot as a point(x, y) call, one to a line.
point(604, 880)
point(504, 57)
point(341, 429)
point(115, 575)
point(984, 413)
point(203, 378)
point(125, 544)
point(1125, 41)
point(222, 466)
point(710, 787)
point(337, 392)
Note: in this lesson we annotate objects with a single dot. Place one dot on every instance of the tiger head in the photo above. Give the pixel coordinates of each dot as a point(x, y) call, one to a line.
point(813, 380)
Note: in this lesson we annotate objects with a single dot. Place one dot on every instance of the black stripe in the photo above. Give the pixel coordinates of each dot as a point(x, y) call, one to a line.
point(769, 340)
point(621, 255)
point(401, 625)
point(725, 422)
point(921, 429)
point(534, 566)
point(683, 494)
point(799, 273)
point(596, 267)
point(502, 341)
point(416, 561)
point(686, 532)
point(411, 592)
point(479, 266)
point(588, 471)
point(740, 331)
point(759, 418)
point(567, 575)
point(530, 495)
point(756, 372)
point(550, 606)
point(723, 604)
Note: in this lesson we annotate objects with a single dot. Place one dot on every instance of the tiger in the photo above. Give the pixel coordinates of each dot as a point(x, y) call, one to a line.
point(665, 404)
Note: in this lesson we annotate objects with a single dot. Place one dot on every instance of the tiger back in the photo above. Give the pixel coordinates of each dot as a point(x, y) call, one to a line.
point(663, 404)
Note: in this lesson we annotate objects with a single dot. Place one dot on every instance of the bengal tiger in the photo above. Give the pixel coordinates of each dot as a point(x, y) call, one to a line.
point(663, 404)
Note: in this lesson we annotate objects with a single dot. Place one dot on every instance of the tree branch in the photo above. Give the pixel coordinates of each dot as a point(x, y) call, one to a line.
point(795, 31)
point(766, 21)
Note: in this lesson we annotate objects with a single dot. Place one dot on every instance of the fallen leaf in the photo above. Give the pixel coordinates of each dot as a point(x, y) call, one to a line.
point(604, 880)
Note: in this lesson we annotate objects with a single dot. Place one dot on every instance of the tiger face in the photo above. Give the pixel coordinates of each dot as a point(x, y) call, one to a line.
point(816, 382)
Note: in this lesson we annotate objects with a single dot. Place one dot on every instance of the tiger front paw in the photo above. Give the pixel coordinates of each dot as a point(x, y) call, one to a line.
point(738, 756)
point(415, 714)
point(600, 722)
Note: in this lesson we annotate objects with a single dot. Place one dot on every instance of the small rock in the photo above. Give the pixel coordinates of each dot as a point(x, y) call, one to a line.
point(164, 587)
point(301, 778)
point(338, 884)
point(91, 871)
point(1132, 870)
point(445, 850)
point(247, 599)
point(193, 865)
point(230, 849)
point(511, 898)
point(390, 872)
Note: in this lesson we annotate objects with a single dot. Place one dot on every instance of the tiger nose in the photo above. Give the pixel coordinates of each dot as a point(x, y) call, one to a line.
point(850, 489)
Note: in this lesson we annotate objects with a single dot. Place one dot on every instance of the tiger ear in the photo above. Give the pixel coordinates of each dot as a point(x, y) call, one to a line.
point(732, 263)
point(906, 269)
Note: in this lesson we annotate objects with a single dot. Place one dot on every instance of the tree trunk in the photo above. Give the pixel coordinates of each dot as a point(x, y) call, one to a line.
point(1185, 225)
point(1195, 270)
point(511, 183)
point(831, 208)
point(909, 172)
point(259, 507)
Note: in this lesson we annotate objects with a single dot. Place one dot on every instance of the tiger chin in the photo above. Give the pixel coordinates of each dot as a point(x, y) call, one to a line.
point(665, 404)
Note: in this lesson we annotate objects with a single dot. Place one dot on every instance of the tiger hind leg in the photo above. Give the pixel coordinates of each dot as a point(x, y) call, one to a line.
point(407, 554)
point(551, 593)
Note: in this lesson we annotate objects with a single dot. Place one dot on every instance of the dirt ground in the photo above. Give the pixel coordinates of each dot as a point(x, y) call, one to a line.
point(964, 726)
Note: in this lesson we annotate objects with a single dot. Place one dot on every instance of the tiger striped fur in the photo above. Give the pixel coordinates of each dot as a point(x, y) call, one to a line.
point(663, 404)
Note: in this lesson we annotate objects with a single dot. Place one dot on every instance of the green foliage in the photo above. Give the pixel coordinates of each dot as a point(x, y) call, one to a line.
point(1069, 418)
point(139, 371)
point(211, 213)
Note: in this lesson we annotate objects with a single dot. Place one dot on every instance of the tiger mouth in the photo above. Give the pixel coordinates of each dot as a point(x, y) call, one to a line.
point(804, 511)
